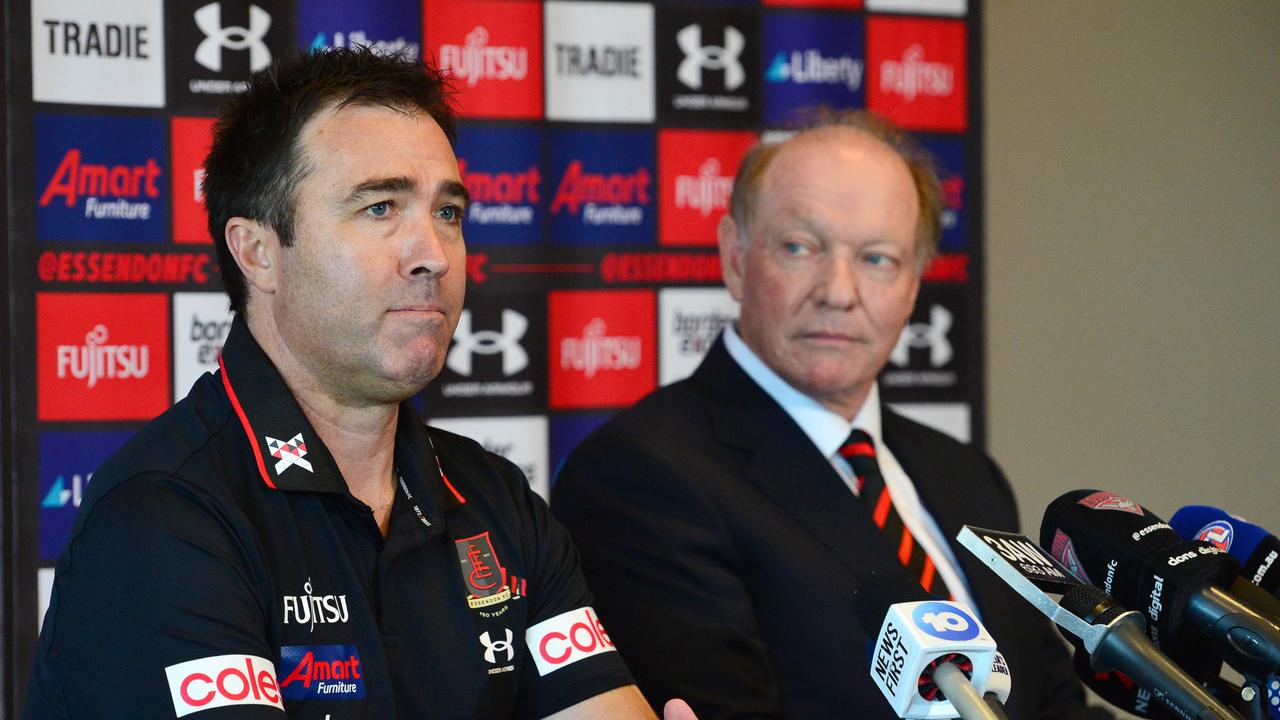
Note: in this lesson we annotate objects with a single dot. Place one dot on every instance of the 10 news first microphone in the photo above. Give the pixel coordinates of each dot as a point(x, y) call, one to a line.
point(1176, 601)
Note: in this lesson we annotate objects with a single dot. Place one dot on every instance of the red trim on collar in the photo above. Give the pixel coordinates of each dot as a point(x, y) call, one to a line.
point(452, 489)
point(244, 421)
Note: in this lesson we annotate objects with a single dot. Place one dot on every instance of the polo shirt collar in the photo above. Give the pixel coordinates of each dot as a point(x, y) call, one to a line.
point(289, 454)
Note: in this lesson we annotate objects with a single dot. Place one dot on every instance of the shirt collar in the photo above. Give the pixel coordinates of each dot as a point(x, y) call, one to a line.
point(826, 429)
point(289, 454)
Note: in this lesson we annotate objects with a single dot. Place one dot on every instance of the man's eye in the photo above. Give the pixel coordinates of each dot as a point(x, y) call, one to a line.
point(450, 213)
point(879, 260)
point(794, 248)
point(381, 209)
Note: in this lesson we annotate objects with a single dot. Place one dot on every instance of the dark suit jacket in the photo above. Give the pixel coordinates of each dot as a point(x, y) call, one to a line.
point(724, 550)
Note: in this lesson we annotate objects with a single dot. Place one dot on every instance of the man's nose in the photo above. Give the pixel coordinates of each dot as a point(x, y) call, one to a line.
point(424, 250)
point(839, 283)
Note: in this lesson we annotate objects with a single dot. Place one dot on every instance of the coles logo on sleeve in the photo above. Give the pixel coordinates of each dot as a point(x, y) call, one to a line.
point(67, 463)
point(98, 53)
point(222, 681)
point(385, 26)
point(493, 49)
point(696, 169)
point(100, 178)
point(601, 347)
point(102, 356)
point(191, 139)
point(567, 638)
point(501, 169)
point(599, 60)
point(918, 72)
point(602, 186)
point(811, 59)
point(321, 672)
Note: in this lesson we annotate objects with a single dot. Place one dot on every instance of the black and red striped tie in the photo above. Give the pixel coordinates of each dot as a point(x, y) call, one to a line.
point(860, 451)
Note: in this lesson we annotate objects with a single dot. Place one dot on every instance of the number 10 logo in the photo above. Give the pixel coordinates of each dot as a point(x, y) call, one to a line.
point(946, 621)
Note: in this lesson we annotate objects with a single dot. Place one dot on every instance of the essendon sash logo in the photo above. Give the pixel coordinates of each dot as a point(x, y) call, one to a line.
point(602, 347)
point(917, 72)
point(494, 52)
point(102, 357)
point(483, 574)
point(696, 169)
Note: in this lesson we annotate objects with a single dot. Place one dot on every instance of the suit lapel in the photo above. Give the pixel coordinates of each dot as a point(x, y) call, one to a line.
point(782, 462)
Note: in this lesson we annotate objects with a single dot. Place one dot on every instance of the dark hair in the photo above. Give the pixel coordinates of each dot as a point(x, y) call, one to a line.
point(746, 186)
point(256, 161)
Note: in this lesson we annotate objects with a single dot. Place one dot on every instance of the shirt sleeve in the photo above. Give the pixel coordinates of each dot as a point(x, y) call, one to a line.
point(158, 610)
point(574, 658)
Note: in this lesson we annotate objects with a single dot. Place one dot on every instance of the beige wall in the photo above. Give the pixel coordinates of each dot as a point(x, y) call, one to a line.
point(1133, 240)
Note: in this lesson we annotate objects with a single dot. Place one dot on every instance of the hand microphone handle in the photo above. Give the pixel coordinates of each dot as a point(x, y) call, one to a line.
point(952, 682)
point(1252, 639)
point(1125, 646)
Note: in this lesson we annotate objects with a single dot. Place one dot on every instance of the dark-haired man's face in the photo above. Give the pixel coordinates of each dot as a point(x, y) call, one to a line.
point(370, 292)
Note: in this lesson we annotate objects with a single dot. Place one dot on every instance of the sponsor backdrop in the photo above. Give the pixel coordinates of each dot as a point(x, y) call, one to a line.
point(599, 144)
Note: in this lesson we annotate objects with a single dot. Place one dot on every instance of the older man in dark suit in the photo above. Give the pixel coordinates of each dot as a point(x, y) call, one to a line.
point(726, 520)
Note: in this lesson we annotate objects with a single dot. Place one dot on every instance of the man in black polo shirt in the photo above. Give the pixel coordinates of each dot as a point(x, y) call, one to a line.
point(290, 539)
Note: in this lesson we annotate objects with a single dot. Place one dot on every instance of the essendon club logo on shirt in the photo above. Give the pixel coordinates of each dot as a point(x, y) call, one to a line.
point(191, 138)
point(222, 681)
point(493, 50)
point(696, 168)
point(102, 356)
point(917, 72)
point(485, 578)
point(567, 638)
point(602, 347)
point(603, 182)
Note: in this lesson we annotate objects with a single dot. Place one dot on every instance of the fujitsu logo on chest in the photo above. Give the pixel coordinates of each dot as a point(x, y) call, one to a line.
point(308, 609)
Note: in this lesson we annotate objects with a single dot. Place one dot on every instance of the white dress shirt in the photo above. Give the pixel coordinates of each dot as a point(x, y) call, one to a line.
point(828, 431)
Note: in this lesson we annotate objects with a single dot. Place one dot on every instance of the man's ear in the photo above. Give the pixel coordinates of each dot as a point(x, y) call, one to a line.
point(731, 242)
point(256, 250)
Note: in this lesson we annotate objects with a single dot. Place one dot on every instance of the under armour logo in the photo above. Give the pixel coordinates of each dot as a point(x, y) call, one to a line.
point(491, 648)
point(209, 52)
point(932, 335)
point(289, 453)
point(489, 342)
point(710, 57)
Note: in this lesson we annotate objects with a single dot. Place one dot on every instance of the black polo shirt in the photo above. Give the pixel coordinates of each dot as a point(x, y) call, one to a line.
point(220, 566)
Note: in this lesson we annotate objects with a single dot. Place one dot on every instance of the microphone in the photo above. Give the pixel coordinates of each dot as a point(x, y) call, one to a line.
point(1177, 584)
point(1252, 546)
point(931, 658)
point(1113, 637)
